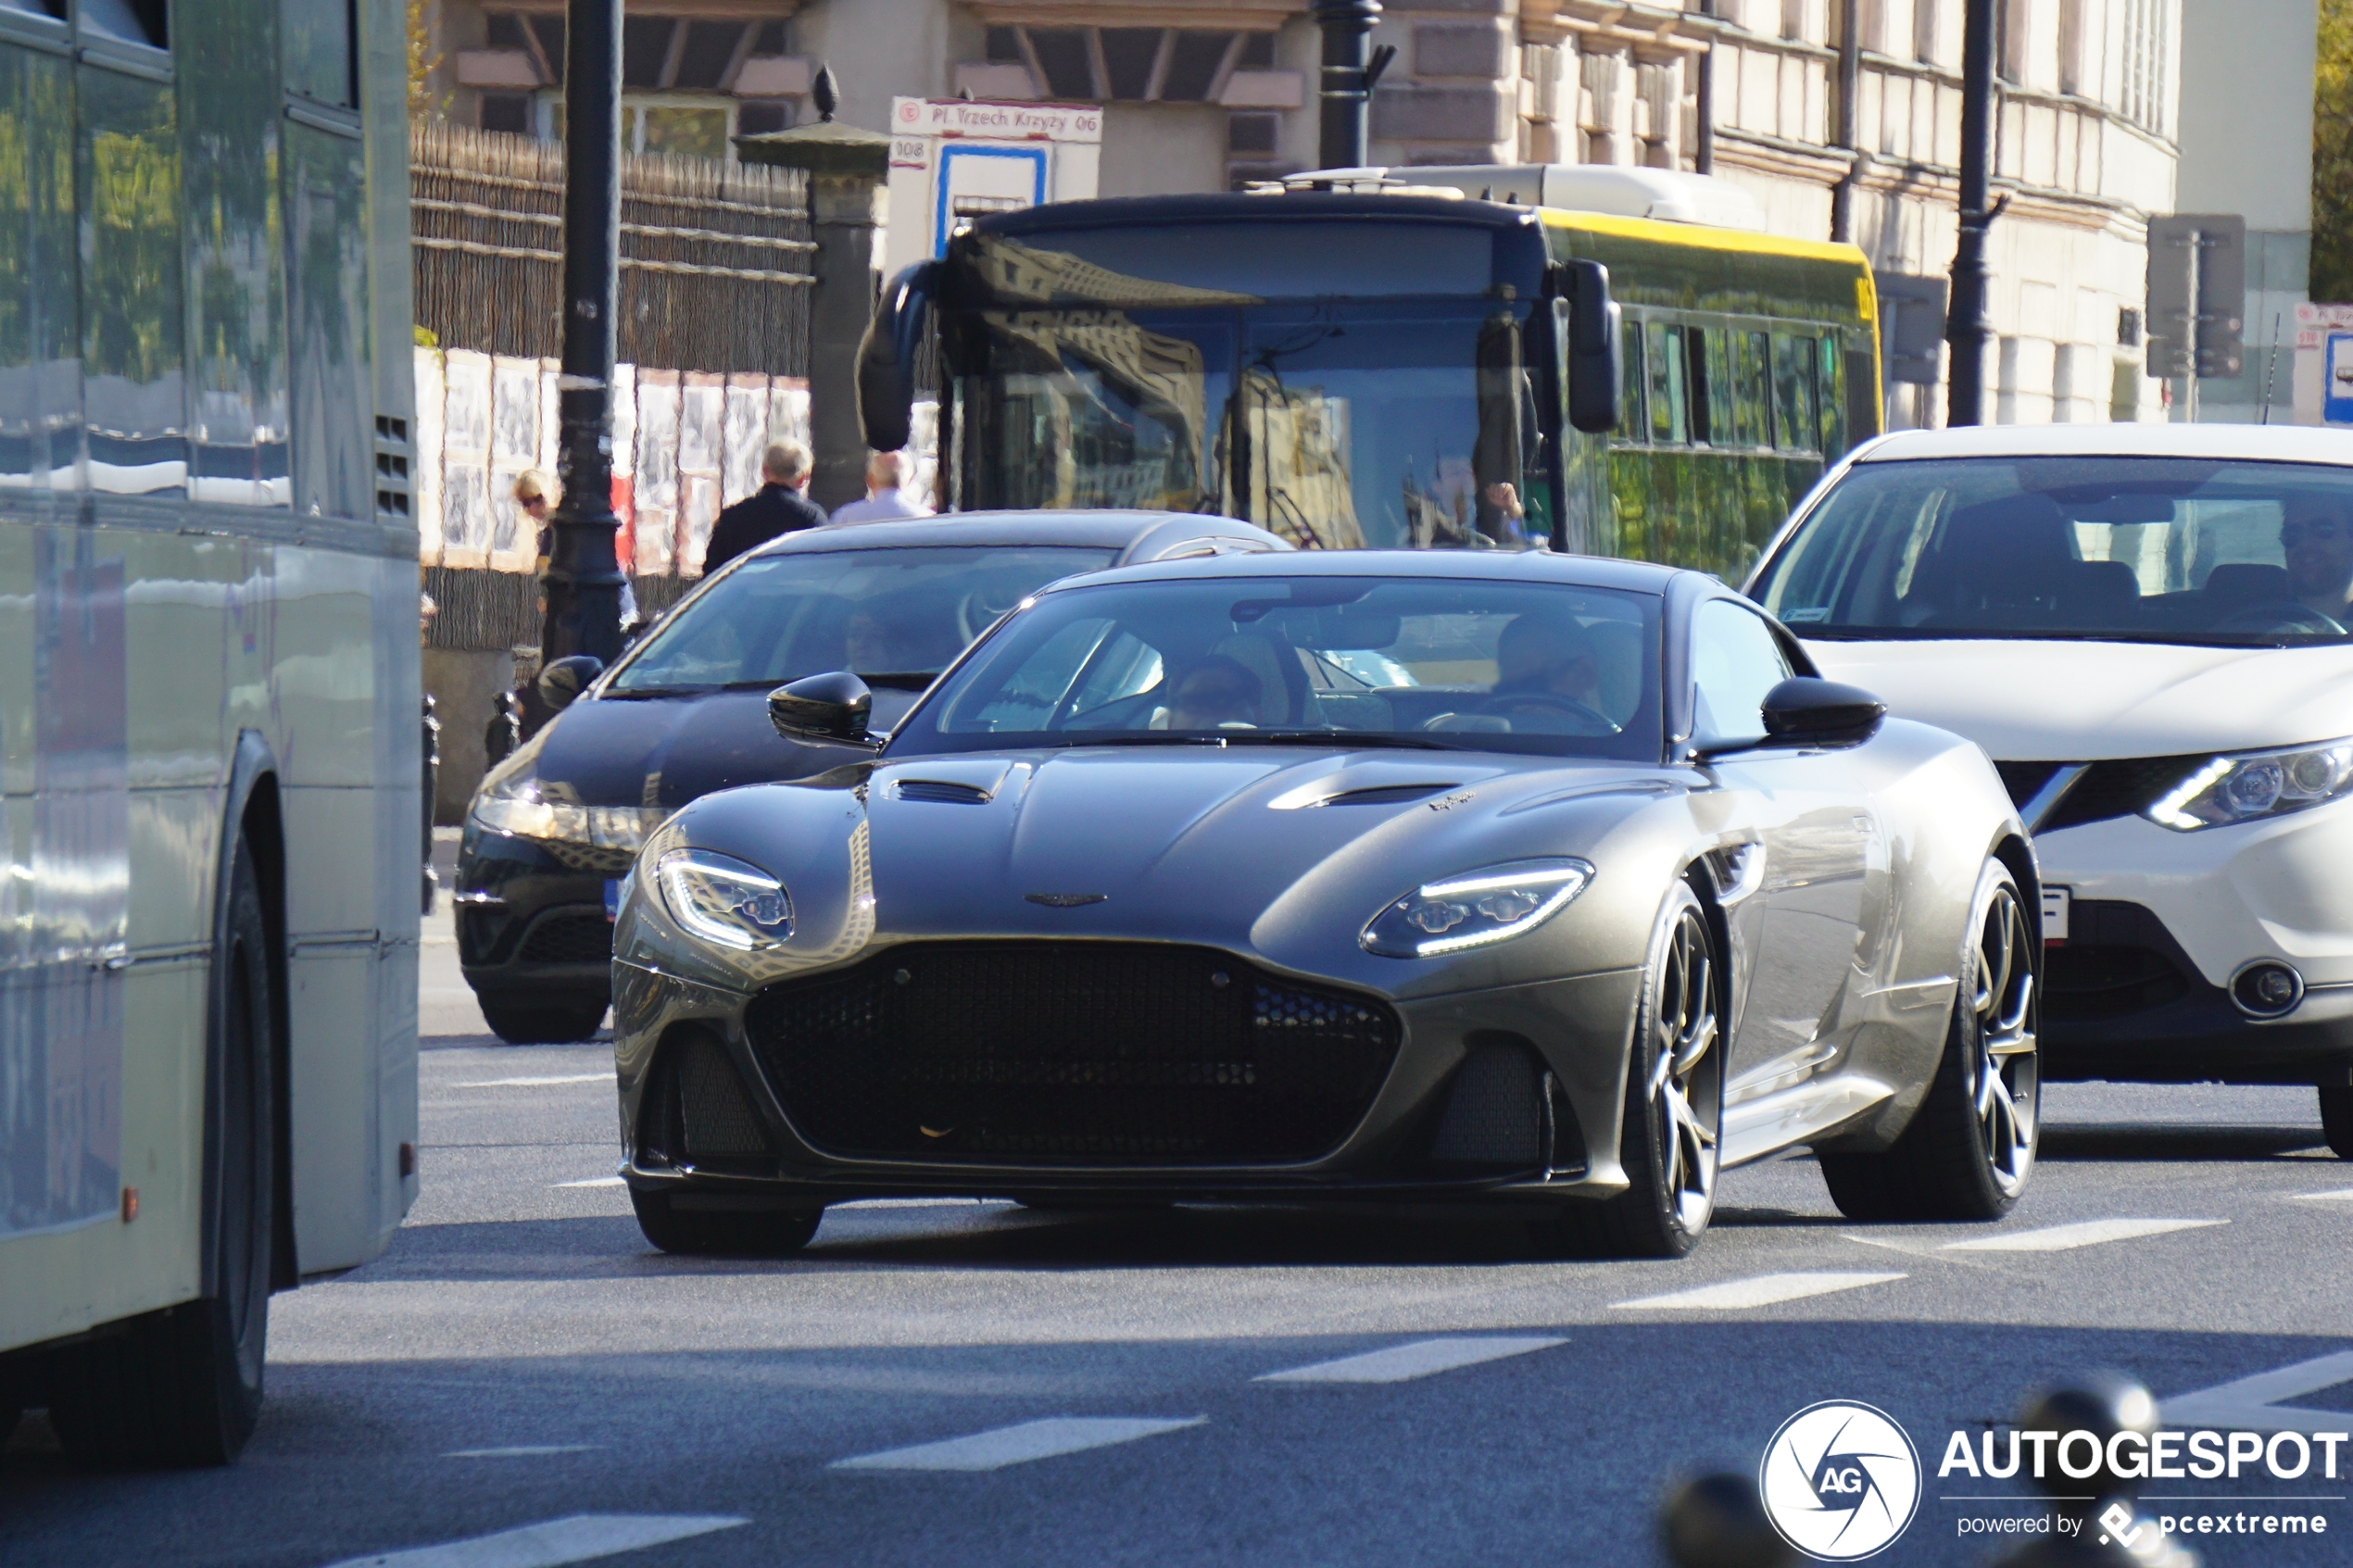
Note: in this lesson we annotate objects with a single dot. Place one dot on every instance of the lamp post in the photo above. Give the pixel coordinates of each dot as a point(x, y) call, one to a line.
point(1965, 326)
point(1349, 76)
point(584, 578)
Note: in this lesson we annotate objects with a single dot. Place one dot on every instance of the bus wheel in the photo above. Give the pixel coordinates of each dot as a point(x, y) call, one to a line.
point(183, 1385)
point(550, 1024)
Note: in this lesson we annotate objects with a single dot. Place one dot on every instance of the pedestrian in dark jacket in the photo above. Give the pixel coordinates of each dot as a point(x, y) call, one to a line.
point(781, 507)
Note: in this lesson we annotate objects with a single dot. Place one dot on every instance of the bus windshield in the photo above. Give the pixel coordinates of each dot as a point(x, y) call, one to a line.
point(2126, 548)
point(1342, 384)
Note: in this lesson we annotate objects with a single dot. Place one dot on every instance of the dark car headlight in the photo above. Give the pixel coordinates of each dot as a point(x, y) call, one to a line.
point(2253, 784)
point(1471, 911)
point(515, 801)
point(722, 899)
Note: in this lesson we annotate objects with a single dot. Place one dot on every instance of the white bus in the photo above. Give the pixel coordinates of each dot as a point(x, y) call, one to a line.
point(209, 705)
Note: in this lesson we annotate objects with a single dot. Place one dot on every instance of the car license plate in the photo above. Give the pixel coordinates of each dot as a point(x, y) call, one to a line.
point(2055, 904)
point(612, 900)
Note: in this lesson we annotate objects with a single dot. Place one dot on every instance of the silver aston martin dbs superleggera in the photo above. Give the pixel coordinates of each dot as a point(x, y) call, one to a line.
point(1351, 876)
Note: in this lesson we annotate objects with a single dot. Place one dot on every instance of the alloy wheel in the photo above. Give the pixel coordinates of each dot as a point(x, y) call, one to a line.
point(1686, 1084)
point(2007, 1067)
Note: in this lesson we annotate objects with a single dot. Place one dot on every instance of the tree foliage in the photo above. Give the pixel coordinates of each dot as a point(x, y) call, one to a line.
point(2332, 156)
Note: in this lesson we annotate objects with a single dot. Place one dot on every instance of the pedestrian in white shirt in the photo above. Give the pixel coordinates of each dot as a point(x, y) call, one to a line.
point(884, 500)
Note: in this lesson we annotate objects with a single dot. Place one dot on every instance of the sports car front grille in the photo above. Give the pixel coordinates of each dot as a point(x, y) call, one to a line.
point(567, 939)
point(1094, 1053)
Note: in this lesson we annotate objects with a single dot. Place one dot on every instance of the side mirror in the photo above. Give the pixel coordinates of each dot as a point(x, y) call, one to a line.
point(561, 683)
point(887, 358)
point(826, 707)
point(1592, 366)
point(1804, 710)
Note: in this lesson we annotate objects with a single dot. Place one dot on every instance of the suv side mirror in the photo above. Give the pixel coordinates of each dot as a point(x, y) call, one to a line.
point(1805, 710)
point(561, 683)
point(833, 707)
point(1593, 366)
point(887, 358)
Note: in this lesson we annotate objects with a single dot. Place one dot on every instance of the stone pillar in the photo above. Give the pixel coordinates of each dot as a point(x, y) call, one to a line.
point(847, 169)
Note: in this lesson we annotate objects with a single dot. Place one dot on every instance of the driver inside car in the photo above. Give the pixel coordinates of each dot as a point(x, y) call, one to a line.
point(2316, 537)
point(1214, 694)
point(1537, 656)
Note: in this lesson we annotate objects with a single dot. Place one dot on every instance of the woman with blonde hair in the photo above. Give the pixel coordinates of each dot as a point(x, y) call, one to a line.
point(537, 494)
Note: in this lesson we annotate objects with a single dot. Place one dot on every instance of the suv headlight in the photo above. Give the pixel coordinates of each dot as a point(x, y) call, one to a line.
point(522, 805)
point(724, 900)
point(1473, 910)
point(2255, 785)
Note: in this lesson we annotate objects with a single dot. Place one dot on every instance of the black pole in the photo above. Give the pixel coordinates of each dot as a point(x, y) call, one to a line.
point(1965, 327)
point(1347, 90)
point(1850, 80)
point(583, 577)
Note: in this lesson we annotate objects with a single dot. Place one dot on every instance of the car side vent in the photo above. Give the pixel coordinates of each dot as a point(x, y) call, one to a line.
point(1389, 794)
point(698, 1111)
point(1495, 1113)
point(942, 793)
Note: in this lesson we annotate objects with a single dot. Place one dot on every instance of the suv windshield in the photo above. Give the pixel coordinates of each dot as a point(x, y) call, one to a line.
point(1541, 667)
point(2137, 550)
point(905, 613)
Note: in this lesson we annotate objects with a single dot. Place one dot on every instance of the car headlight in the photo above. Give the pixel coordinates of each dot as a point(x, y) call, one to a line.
point(724, 900)
point(522, 805)
point(1473, 910)
point(2255, 785)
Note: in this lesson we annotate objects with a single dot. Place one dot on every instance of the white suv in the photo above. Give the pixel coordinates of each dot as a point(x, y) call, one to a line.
point(2150, 629)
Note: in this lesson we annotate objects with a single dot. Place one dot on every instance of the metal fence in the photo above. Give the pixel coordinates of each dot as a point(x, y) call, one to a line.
point(714, 256)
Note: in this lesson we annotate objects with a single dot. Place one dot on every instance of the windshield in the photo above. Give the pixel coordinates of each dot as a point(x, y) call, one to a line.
point(2142, 549)
point(1336, 426)
point(1539, 667)
point(903, 612)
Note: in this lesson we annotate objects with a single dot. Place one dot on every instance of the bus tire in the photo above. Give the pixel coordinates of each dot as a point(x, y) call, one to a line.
point(760, 1233)
point(183, 1386)
point(536, 1024)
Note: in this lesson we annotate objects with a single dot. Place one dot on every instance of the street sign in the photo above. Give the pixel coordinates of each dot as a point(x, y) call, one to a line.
point(2196, 295)
point(2337, 392)
point(952, 159)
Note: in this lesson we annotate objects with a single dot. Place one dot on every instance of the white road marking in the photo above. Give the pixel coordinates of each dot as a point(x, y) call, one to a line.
point(1402, 1364)
point(2086, 1232)
point(579, 1538)
point(596, 1182)
point(538, 1082)
point(1018, 1445)
point(523, 1451)
point(2251, 1404)
point(2342, 1195)
point(1765, 1290)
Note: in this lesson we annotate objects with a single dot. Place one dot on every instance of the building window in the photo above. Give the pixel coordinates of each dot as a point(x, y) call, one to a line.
point(1248, 135)
point(509, 112)
point(1130, 64)
point(758, 117)
point(2142, 65)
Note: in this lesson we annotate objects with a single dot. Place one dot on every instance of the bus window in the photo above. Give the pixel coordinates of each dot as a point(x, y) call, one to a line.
point(1752, 396)
point(1793, 426)
point(1833, 382)
point(1711, 384)
point(1668, 361)
point(1633, 424)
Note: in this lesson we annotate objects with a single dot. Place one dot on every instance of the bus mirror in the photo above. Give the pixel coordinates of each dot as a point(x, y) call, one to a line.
point(887, 358)
point(1592, 347)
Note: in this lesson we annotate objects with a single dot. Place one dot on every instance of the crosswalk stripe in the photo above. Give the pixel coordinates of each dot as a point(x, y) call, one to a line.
point(2341, 1195)
point(2084, 1233)
point(1764, 1290)
point(596, 1182)
point(537, 1082)
point(1019, 1445)
point(1402, 1364)
point(579, 1538)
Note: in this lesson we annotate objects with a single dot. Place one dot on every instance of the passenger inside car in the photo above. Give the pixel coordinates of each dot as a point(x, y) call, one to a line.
point(2316, 535)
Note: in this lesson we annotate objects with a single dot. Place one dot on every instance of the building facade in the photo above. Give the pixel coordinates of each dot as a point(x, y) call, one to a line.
point(1842, 117)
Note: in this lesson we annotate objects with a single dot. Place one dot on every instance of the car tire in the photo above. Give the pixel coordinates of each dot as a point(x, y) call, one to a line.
point(1671, 1129)
point(542, 1023)
point(1970, 1147)
point(183, 1386)
point(2336, 1119)
point(723, 1232)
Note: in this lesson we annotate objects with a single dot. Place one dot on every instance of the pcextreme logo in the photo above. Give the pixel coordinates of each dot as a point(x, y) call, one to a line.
point(1840, 1481)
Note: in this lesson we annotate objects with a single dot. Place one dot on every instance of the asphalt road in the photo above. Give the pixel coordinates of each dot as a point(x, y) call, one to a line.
point(521, 1356)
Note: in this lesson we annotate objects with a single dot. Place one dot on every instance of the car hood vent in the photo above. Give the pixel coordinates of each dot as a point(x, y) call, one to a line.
point(943, 792)
point(1384, 794)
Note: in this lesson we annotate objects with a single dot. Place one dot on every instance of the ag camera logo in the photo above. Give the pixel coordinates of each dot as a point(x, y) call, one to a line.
point(1840, 1481)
